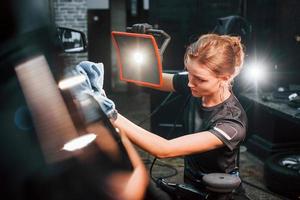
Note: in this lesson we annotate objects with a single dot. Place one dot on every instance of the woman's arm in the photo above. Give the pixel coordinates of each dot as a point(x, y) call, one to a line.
point(162, 148)
point(167, 85)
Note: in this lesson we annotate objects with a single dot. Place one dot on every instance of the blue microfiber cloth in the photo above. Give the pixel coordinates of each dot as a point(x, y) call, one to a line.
point(94, 73)
point(93, 85)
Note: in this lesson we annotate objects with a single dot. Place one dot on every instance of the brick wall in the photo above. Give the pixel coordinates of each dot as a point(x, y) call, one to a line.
point(71, 14)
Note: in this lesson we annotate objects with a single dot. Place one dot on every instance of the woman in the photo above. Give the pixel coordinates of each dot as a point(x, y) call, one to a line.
point(215, 122)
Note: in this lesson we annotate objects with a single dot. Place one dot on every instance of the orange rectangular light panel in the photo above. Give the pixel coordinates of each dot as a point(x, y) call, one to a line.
point(138, 58)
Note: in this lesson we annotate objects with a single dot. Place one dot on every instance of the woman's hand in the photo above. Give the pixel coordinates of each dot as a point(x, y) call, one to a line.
point(141, 28)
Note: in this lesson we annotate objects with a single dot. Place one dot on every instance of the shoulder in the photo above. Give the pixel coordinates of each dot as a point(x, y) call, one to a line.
point(231, 133)
point(230, 123)
point(231, 110)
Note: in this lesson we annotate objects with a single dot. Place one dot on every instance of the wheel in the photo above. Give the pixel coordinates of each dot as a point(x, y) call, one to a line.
point(282, 173)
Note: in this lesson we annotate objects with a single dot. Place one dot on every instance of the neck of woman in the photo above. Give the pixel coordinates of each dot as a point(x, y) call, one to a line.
point(216, 98)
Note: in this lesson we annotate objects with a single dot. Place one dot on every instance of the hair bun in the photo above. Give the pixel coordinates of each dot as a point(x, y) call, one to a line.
point(238, 50)
point(236, 44)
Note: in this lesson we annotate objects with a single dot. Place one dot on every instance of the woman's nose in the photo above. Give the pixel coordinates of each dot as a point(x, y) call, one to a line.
point(190, 83)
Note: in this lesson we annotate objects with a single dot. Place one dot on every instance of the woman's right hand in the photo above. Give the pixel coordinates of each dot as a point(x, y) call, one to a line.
point(141, 28)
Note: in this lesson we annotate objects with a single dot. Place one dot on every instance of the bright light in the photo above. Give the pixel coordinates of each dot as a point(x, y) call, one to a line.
point(70, 82)
point(256, 71)
point(79, 142)
point(138, 57)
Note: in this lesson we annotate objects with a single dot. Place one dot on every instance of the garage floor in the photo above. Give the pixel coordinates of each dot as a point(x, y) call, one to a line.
point(136, 106)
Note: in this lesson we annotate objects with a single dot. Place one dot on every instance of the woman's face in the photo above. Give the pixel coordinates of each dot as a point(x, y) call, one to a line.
point(202, 81)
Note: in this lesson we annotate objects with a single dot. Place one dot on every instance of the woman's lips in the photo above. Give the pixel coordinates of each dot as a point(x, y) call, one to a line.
point(193, 90)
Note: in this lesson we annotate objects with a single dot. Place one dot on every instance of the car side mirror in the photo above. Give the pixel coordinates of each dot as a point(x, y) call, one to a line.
point(72, 41)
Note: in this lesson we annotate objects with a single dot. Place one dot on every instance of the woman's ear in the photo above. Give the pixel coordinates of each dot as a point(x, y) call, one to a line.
point(225, 78)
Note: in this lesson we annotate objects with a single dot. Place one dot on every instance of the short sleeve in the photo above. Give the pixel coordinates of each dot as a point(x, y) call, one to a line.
point(180, 83)
point(230, 132)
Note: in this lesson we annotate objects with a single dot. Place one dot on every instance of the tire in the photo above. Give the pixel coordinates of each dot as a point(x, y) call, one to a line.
point(282, 173)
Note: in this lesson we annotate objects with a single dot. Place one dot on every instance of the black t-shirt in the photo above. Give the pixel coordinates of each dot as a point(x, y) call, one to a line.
point(227, 121)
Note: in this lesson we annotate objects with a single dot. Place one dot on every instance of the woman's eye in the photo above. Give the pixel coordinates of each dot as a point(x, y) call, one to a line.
point(200, 80)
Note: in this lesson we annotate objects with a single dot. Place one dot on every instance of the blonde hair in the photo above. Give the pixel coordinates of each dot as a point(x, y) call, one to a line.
point(222, 54)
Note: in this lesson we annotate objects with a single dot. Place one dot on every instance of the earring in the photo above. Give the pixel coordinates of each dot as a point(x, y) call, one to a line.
point(222, 85)
point(220, 93)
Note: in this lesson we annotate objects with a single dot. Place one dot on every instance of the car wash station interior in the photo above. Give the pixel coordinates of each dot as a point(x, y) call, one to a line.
point(98, 97)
